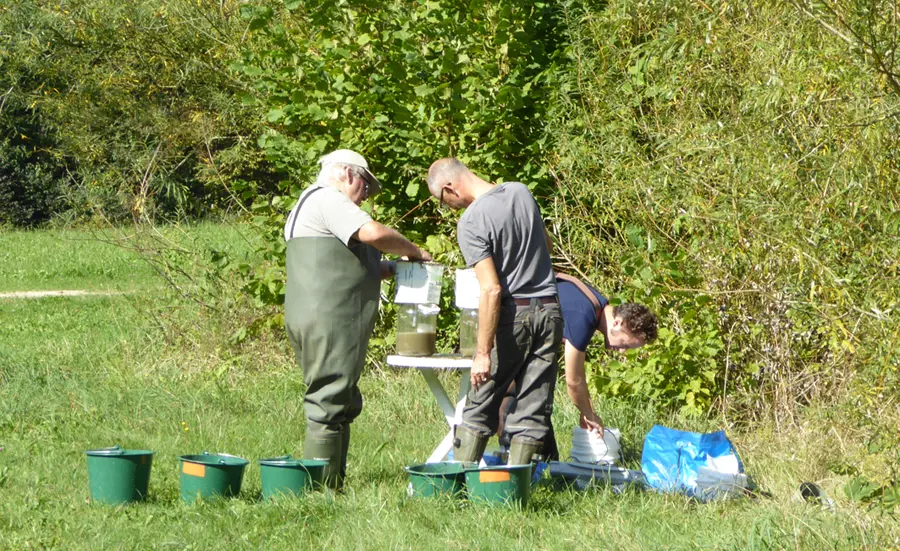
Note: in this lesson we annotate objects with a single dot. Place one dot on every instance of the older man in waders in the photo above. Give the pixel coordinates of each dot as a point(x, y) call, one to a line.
point(585, 312)
point(334, 270)
point(520, 327)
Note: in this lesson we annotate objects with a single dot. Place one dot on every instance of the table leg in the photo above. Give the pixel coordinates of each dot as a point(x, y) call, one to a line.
point(439, 394)
point(452, 414)
point(440, 452)
point(464, 386)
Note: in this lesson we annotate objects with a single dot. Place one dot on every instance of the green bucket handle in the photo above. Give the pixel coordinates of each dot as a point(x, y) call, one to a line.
point(221, 461)
point(113, 450)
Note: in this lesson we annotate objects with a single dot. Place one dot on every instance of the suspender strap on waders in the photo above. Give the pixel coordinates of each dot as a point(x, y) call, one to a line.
point(297, 210)
point(598, 309)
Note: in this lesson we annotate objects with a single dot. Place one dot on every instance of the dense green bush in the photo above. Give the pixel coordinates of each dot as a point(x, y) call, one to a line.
point(757, 159)
point(404, 83)
point(30, 178)
point(134, 104)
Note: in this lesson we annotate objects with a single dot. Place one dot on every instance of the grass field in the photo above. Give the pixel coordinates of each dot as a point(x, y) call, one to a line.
point(81, 373)
point(100, 259)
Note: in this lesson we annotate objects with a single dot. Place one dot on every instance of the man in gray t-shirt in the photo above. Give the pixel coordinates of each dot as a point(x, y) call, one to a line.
point(520, 325)
point(505, 224)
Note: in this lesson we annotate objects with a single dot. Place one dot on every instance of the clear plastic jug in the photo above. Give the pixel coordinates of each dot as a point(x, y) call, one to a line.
point(416, 329)
point(468, 331)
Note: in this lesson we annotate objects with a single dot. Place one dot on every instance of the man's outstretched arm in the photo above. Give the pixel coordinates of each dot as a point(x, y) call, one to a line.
point(576, 384)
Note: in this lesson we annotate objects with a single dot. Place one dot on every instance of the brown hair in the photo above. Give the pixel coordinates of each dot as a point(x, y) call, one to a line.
point(638, 320)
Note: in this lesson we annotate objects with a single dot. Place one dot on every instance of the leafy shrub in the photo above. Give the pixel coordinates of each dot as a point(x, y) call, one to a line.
point(31, 180)
point(30, 193)
point(758, 161)
point(404, 84)
point(135, 101)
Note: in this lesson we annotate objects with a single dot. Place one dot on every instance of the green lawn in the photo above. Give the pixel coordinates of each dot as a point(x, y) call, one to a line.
point(80, 373)
point(101, 259)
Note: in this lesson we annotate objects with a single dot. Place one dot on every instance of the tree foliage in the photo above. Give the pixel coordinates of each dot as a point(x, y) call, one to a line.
point(736, 168)
point(404, 83)
point(732, 164)
point(128, 105)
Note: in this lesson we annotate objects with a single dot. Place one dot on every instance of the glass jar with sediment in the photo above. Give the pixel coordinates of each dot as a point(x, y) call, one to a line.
point(467, 295)
point(468, 331)
point(417, 329)
point(417, 298)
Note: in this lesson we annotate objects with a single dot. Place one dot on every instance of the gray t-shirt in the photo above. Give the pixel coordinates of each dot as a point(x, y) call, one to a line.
point(327, 212)
point(505, 224)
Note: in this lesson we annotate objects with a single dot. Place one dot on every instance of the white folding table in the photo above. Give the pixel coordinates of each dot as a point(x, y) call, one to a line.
point(428, 367)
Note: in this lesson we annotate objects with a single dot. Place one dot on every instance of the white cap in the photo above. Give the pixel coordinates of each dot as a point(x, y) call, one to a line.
point(347, 157)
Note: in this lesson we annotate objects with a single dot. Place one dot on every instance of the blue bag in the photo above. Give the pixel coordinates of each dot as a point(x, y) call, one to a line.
point(671, 458)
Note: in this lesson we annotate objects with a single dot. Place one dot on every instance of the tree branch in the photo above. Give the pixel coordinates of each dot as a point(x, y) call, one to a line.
point(878, 59)
point(3, 99)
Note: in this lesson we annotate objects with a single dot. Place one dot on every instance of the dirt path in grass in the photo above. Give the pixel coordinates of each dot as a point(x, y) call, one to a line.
point(45, 294)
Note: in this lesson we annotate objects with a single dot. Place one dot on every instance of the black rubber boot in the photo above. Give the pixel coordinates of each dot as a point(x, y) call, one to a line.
point(468, 445)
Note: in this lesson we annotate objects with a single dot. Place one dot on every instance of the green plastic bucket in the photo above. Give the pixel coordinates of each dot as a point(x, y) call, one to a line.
point(209, 475)
point(117, 475)
point(504, 484)
point(286, 475)
point(437, 479)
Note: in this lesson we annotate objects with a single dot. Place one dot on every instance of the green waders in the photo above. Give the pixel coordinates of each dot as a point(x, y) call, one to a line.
point(330, 305)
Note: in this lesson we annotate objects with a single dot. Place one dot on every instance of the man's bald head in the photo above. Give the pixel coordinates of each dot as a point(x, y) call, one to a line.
point(445, 171)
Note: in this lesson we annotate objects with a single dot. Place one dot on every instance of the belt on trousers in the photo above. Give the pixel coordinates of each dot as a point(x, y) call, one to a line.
point(543, 300)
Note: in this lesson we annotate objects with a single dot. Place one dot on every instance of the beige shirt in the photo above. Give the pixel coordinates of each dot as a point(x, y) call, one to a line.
point(327, 212)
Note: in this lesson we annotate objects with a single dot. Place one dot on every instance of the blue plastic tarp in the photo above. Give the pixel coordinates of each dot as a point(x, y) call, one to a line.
point(671, 458)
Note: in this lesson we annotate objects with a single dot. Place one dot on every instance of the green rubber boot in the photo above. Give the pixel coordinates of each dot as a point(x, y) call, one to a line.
point(327, 445)
point(522, 449)
point(468, 445)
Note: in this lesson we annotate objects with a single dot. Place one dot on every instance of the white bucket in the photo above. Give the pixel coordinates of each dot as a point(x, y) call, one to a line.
point(419, 283)
point(589, 447)
point(468, 291)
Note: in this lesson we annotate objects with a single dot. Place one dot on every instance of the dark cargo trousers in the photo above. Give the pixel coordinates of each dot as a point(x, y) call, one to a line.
point(526, 352)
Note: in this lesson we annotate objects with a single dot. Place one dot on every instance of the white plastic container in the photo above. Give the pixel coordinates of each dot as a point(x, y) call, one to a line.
point(589, 447)
point(418, 296)
point(419, 283)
